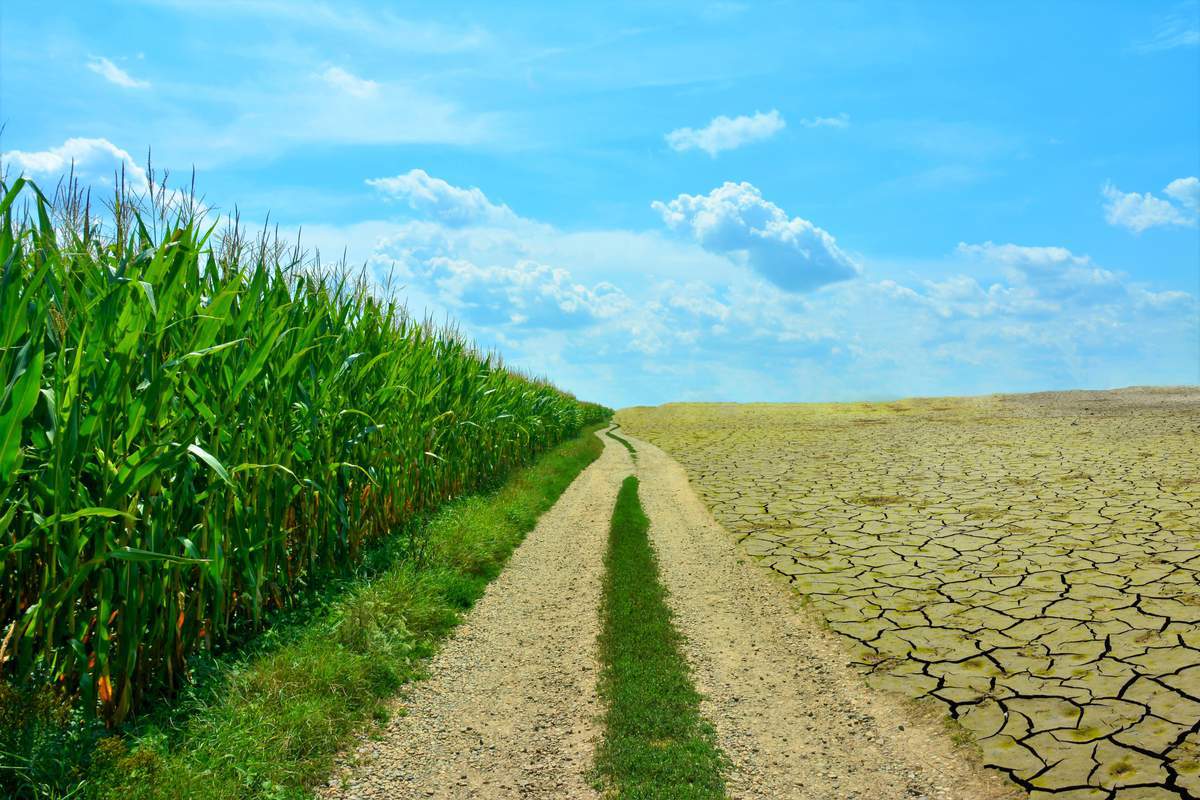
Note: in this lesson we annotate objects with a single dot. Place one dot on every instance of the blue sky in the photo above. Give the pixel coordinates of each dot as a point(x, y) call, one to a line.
point(662, 201)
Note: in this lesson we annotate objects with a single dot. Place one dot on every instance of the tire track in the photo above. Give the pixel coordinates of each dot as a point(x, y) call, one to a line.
point(510, 707)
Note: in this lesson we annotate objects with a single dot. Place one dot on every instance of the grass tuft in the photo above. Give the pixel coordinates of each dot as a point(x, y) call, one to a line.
point(656, 744)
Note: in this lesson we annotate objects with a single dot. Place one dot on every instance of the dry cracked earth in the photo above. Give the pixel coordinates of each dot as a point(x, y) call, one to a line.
point(1031, 561)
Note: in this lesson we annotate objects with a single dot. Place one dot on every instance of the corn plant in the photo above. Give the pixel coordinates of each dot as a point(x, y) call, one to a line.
point(191, 435)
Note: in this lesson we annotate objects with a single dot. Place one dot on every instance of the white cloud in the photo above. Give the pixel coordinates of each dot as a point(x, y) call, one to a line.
point(840, 121)
point(349, 83)
point(526, 294)
point(113, 74)
point(444, 202)
point(1137, 212)
point(1023, 257)
point(95, 161)
point(1185, 191)
point(727, 133)
point(1053, 274)
point(734, 219)
point(624, 316)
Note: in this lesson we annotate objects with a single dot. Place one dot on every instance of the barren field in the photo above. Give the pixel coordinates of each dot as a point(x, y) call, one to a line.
point(1030, 561)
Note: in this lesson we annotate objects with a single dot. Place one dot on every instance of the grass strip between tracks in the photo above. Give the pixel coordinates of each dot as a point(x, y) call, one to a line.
point(270, 724)
point(612, 434)
point(656, 744)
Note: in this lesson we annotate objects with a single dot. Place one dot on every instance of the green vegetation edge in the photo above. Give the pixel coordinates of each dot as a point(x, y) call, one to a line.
point(270, 725)
point(612, 434)
point(656, 744)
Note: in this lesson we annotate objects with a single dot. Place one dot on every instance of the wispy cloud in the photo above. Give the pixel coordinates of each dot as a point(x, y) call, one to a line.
point(350, 83)
point(721, 11)
point(113, 74)
point(1181, 28)
point(362, 22)
point(1140, 211)
point(330, 107)
point(840, 121)
point(727, 133)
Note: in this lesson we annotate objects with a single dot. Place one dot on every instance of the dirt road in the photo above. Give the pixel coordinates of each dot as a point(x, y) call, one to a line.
point(510, 709)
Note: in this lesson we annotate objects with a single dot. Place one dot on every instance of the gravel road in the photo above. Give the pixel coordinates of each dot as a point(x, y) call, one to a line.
point(510, 709)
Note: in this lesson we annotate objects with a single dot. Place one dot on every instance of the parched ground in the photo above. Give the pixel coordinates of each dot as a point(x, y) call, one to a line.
point(1029, 561)
point(796, 722)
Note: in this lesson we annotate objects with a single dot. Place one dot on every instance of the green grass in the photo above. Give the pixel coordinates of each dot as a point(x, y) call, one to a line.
point(628, 446)
point(269, 723)
point(656, 744)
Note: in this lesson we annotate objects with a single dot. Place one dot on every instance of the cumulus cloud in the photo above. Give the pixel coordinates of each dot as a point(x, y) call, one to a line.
point(95, 161)
point(350, 83)
point(435, 198)
point(1185, 191)
point(1046, 275)
point(735, 220)
point(1137, 212)
point(727, 133)
point(526, 293)
point(113, 74)
point(963, 295)
point(600, 313)
point(633, 317)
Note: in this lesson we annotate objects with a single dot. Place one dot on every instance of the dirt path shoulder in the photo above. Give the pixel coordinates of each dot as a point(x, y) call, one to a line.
point(510, 707)
point(794, 718)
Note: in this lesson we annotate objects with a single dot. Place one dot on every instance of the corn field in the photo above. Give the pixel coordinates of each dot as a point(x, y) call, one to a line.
point(191, 435)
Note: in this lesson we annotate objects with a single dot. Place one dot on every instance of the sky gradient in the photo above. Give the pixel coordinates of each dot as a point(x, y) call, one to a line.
point(661, 201)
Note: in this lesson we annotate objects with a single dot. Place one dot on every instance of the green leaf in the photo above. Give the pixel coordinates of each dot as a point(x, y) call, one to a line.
point(207, 351)
point(135, 554)
point(22, 396)
point(208, 458)
point(82, 513)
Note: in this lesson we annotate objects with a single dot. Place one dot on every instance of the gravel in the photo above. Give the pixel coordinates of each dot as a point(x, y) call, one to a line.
point(510, 707)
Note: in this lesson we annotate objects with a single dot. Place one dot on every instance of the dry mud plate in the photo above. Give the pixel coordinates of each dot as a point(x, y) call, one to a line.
point(1029, 561)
